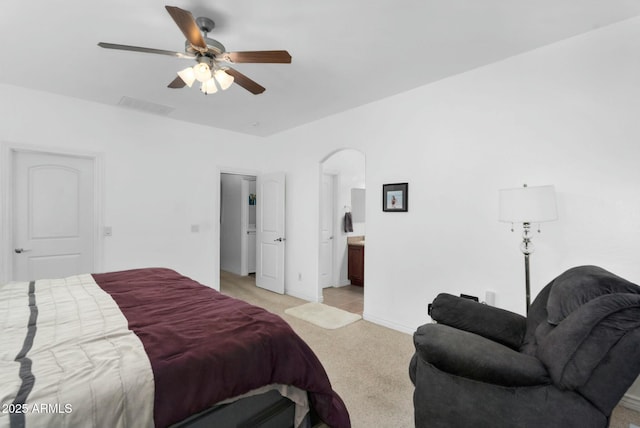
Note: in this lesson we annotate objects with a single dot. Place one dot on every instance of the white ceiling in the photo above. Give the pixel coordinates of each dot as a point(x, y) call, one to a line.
point(345, 54)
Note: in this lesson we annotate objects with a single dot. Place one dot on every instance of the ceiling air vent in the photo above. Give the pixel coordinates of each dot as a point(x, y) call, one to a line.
point(145, 106)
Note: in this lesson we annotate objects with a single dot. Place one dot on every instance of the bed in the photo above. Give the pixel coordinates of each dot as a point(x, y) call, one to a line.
point(150, 347)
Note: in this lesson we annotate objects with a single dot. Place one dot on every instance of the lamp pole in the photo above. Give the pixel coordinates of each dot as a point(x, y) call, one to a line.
point(527, 248)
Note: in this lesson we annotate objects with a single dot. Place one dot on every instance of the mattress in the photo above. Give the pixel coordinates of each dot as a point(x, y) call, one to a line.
point(143, 347)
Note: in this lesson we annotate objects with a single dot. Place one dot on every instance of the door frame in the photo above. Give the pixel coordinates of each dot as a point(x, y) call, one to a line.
point(337, 223)
point(7, 154)
point(247, 172)
point(335, 273)
point(225, 170)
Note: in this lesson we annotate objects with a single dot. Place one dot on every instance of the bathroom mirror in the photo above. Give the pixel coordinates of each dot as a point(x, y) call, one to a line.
point(357, 205)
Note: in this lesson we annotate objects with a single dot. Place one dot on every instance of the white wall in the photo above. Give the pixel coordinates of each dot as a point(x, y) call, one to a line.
point(158, 181)
point(563, 115)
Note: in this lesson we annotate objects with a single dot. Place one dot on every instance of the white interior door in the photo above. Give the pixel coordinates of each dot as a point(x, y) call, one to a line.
point(53, 215)
point(270, 230)
point(327, 213)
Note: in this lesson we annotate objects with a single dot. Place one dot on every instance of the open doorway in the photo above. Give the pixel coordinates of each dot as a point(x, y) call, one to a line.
point(238, 223)
point(252, 227)
point(341, 281)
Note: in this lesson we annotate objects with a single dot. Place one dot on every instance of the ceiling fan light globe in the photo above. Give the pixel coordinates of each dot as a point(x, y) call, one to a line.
point(188, 76)
point(202, 72)
point(209, 87)
point(224, 80)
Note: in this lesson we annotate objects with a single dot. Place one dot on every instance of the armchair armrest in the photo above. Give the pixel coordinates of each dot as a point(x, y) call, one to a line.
point(505, 327)
point(468, 355)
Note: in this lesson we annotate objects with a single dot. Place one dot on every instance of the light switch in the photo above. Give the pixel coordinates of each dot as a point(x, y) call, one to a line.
point(195, 228)
point(108, 231)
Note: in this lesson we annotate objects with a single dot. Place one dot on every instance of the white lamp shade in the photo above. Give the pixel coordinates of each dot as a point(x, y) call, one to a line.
point(188, 76)
point(223, 79)
point(209, 87)
point(528, 205)
point(202, 72)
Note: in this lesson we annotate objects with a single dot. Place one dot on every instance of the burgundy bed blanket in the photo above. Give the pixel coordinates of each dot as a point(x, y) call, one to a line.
point(205, 347)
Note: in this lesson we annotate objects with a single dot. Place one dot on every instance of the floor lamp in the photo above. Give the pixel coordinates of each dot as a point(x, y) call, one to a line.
point(527, 205)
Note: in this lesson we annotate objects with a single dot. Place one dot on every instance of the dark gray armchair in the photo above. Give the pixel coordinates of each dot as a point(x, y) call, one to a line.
point(567, 364)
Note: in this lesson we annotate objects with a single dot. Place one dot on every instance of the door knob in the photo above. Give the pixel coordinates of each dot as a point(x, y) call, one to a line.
point(20, 250)
point(279, 240)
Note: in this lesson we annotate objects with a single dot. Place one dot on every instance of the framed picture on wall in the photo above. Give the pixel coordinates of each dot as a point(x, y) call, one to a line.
point(395, 197)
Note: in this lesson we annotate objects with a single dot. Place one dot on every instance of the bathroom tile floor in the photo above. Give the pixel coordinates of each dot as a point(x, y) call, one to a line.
point(349, 298)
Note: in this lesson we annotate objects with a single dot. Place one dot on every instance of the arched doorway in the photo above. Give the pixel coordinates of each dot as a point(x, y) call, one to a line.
point(342, 193)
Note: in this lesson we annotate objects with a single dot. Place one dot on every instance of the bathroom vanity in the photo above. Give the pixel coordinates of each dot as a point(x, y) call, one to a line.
point(356, 260)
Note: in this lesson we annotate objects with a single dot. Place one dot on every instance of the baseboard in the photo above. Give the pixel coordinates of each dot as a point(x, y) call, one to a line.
point(631, 402)
point(389, 324)
point(303, 296)
point(341, 283)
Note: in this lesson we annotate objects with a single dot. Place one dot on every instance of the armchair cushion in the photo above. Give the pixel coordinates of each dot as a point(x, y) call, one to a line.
point(497, 324)
point(474, 357)
point(573, 349)
point(579, 285)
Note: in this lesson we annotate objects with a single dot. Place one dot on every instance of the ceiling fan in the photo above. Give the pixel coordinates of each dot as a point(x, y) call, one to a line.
point(211, 56)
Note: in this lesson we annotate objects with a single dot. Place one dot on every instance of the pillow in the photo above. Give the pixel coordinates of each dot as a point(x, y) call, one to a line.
point(577, 286)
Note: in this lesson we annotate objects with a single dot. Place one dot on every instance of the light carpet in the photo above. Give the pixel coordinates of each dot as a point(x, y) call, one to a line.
point(368, 364)
point(322, 315)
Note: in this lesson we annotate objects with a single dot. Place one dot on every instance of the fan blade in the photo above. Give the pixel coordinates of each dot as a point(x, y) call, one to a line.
point(146, 50)
point(186, 23)
point(244, 81)
point(177, 83)
point(280, 57)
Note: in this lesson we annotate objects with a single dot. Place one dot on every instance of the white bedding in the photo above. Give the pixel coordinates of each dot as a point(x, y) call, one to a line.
point(90, 370)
